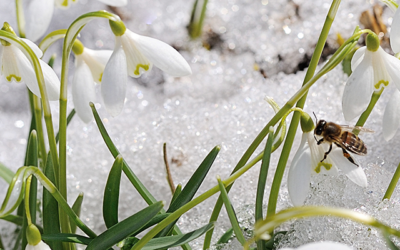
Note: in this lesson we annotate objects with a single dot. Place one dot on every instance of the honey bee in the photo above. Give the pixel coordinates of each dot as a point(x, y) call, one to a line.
point(342, 137)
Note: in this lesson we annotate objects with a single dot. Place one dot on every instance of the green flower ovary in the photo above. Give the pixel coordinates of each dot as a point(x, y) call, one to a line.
point(145, 67)
point(327, 166)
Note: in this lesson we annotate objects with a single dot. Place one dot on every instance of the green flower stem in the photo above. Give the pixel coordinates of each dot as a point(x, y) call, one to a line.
point(20, 18)
point(280, 169)
point(39, 130)
point(175, 215)
point(197, 18)
point(364, 116)
point(264, 229)
point(70, 37)
point(51, 38)
point(392, 184)
point(40, 79)
point(333, 62)
point(26, 200)
point(60, 199)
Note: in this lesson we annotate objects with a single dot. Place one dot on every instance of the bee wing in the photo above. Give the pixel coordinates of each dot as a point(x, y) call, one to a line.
point(360, 129)
point(352, 143)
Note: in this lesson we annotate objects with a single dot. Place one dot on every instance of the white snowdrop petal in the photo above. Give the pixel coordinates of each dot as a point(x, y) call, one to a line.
point(391, 117)
point(357, 57)
point(299, 175)
point(113, 84)
point(117, 3)
point(395, 32)
point(392, 65)
point(161, 55)
point(39, 15)
point(40, 246)
point(34, 47)
point(354, 173)
point(51, 81)
point(96, 60)
point(136, 60)
point(358, 90)
point(10, 57)
point(83, 91)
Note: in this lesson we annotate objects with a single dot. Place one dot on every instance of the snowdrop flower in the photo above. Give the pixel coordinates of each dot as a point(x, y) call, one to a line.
point(391, 116)
point(40, 12)
point(373, 70)
point(35, 239)
point(325, 245)
point(89, 67)
point(15, 66)
point(135, 54)
point(307, 161)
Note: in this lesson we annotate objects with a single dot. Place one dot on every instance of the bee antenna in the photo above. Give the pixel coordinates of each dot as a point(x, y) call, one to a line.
point(316, 119)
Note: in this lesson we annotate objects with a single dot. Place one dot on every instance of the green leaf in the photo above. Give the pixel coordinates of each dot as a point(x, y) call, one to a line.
point(17, 220)
point(69, 118)
point(51, 223)
point(125, 228)
point(158, 218)
point(77, 209)
point(60, 237)
point(177, 192)
point(6, 173)
point(176, 240)
point(231, 212)
point(226, 236)
point(111, 193)
point(192, 186)
point(389, 242)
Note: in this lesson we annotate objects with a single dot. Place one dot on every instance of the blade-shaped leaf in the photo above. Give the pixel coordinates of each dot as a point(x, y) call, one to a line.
point(111, 193)
point(77, 209)
point(226, 237)
point(17, 220)
point(6, 173)
point(51, 223)
point(75, 238)
point(177, 192)
point(231, 213)
point(192, 186)
point(176, 240)
point(125, 228)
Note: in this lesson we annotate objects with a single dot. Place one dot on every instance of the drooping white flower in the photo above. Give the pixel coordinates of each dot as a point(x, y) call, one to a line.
point(395, 31)
point(391, 116)
point(15, 66)
point(40, 12)
point(324, 245)
point(137, 54)
point(40, 246)
point(89, 68)
point(307, 161)
point(372, 71)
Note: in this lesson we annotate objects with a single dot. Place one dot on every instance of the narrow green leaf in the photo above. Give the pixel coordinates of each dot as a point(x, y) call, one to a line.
point(226, 236)
point(231, 213)
point(192, 186)
point(75, 238)
point(262, 180)
point(77, 209)
point(158, 218)
point(17, 220)
point(31, 160)
point(125, 228)
point(111, 193)
point(51, 223)
point(6, 173)
point(69, 118)
point(389, 242)
point(176, 240)
point(178, 191)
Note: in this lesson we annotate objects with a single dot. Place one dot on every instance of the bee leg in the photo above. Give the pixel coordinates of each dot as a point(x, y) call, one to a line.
point(320, 141)
point(348, 156)
point(327, 152)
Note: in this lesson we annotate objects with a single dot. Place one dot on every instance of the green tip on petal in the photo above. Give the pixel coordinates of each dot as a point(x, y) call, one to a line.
point(372, 42)
point(117, 27)
point(145, 67)
point(327, 166)
point(78, 47)
point(33, 235)
point(307, 124)
point(7, 27)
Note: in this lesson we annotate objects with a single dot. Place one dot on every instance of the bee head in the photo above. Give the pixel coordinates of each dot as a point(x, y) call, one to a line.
point(320, 127)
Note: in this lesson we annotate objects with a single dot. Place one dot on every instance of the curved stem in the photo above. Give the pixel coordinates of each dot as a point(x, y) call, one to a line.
point(364, 116)
point(70, 37)
point(280, 169)
point(26, 200)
